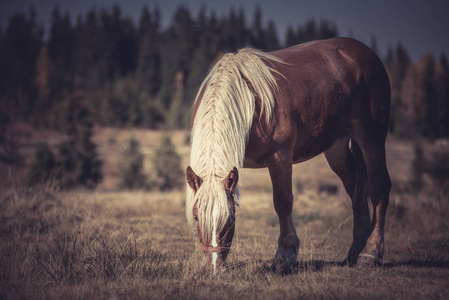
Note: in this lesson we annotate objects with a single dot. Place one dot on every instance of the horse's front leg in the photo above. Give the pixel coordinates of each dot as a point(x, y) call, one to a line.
point(280, 167)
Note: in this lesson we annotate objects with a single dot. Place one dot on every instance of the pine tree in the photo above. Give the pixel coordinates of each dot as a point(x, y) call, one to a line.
point(149, 65)
point(61, 46)
point(19, 49)
point(442, 81)
point(398, 61)
point(78, 157)
point(257, 32)
point(327, 29)
point(183, 29)
point(428, 100)
point(290, 38)
point(271, 40)
point(91, 54)
point(42, 81)
point(309, 32)
point(409, 112)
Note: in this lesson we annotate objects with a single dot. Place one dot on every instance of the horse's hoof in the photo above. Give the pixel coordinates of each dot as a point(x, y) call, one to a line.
point(286, 260)
point(350, 261)
point(285, 268)
point(366, 261)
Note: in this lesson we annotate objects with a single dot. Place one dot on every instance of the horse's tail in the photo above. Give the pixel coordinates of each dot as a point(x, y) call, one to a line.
point(360, 188)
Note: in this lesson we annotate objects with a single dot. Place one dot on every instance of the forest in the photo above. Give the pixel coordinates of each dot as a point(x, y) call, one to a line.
point(104, 69)
point(147, 76)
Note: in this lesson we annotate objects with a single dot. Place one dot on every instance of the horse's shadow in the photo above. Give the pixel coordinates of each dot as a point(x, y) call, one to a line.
point(270, 267)
point(431, 264)
point(300, 267)
point(319, 265)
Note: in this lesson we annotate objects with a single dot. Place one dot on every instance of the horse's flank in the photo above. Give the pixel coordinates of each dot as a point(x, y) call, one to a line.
point(223, 114)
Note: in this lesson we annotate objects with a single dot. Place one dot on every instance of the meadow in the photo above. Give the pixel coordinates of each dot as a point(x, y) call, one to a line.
point(113, 244)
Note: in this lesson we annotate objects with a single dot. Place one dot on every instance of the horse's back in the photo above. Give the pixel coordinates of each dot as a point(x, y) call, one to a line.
point(336, 59)
point(351, 47)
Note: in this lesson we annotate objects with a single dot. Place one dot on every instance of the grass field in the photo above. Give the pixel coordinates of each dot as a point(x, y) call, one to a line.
point(136, 245)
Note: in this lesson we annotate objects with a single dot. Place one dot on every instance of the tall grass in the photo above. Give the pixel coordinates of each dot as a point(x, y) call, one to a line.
point(100, 245)
point(48, 240)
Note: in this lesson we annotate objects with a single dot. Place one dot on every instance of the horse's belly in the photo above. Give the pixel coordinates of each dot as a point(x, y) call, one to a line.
point(311, 141)
point(302, 154)
point(252, 163)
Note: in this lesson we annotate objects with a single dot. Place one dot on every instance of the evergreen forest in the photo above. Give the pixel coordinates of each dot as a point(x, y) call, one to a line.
point(138, 74)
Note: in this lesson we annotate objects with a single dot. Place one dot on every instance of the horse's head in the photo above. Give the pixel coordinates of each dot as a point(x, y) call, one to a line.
point(214, 214)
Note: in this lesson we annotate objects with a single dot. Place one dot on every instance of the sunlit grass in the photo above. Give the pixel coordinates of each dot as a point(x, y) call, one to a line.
point(137, 245)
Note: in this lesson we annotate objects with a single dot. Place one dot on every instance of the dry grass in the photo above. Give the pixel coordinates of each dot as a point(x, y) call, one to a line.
point(110, 244)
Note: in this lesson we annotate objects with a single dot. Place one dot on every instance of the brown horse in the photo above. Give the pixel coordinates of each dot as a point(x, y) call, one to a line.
point(276, 109)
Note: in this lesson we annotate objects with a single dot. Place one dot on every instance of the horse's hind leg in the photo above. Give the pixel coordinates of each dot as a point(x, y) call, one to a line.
point(280, 168)
point(379, 185)
point(349, 168)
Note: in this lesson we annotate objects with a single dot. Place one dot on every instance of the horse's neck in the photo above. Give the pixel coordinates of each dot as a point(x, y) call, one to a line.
point(218, 154)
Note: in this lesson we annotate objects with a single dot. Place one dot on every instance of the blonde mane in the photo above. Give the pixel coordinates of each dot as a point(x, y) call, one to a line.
point(221, 128)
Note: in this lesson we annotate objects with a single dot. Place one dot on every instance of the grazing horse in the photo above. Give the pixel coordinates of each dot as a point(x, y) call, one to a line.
point(257, 109)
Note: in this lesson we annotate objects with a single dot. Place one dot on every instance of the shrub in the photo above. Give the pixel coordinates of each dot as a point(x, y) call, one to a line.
point(438, 169)
point(167, 166)
point(43, 167)
point(418, 166)
point(435, 164)
point(132, 165)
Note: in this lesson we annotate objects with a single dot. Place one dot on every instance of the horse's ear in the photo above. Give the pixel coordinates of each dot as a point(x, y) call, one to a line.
point(230, 182)
point(192, 179)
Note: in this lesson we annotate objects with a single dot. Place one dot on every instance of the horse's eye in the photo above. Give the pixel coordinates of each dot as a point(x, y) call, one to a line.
point(196, 218)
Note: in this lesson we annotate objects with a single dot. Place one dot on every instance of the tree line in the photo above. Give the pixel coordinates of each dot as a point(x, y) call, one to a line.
point(141, 74)
point(129, 74)
point(419, 94)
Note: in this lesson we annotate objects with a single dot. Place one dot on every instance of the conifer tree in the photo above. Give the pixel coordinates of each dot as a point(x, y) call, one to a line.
point(257, 32)
point(442, 81)
point(61, 46)
point(149, 58)
point(271, 40)
point(19, 49)
point(78, 157)
point(398, 62)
